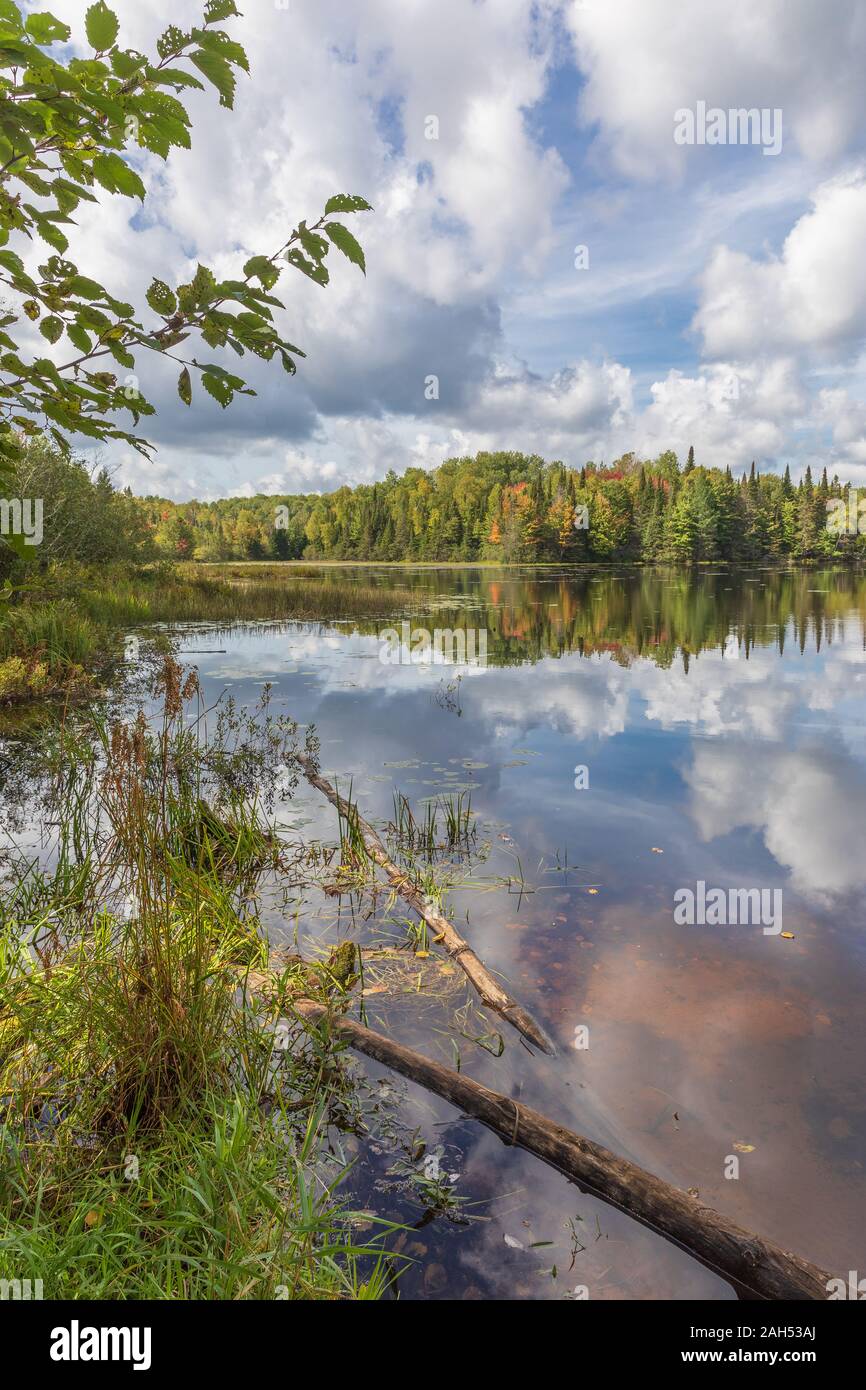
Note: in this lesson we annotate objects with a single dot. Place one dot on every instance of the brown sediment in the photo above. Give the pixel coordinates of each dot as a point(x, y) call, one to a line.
point(757, 1267)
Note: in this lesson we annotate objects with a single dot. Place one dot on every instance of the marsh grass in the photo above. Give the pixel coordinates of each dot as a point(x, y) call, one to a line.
point(153, 1141)
point(445, 826)
point(63, 634)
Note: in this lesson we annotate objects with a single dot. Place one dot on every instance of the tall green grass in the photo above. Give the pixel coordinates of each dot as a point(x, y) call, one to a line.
point(154, 1141)
point(64, 633)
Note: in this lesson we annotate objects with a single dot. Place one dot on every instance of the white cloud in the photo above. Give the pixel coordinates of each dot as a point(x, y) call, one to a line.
point(813, 295)
point(469, 251)
point(809, 806)
point(644, 62)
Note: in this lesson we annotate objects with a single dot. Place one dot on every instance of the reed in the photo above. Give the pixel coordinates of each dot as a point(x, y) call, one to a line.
point(154, 1141)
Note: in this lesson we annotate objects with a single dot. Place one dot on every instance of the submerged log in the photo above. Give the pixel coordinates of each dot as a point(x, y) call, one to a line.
point(757, 1266)
point(490, 993)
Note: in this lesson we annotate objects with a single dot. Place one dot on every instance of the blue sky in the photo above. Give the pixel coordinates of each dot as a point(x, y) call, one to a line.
point(724, 301)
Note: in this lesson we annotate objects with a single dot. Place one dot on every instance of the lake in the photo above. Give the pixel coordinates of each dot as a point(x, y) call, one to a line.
point(625, 736)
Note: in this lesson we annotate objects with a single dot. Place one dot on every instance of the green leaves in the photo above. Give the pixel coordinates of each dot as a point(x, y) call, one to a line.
point(64, 124)
point(51, 328)
point(216, 387)
point(263, 269)
point(45, 29)
point(116, 176)
point(315, 270)
point(216, 10)
point(171, 42)
point(50, 233)
point(10, 260)
point(347, 202)
point(79, 338)
point(217, 41)
point(201, 290)
point(218, 71)
point(101, 25)
point(345, 242)
point(161, 299)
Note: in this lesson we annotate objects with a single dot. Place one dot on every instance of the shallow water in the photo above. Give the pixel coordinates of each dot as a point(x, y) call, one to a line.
point(721, 721)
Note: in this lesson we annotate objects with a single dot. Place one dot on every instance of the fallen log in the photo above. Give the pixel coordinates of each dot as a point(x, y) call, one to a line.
point(757, 1266)
point(490, 993)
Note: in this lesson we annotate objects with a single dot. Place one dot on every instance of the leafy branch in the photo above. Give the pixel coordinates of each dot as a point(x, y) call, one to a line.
point(65, 127)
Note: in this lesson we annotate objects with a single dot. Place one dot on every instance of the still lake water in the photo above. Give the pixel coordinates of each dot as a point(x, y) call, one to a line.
point(721, 720)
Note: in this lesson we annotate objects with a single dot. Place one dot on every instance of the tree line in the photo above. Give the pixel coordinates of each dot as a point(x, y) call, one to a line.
point(506, 507)
point(514, 507)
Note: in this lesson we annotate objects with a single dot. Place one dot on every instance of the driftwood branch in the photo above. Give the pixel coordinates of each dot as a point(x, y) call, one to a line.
point(756, 1266)
point(490, 992)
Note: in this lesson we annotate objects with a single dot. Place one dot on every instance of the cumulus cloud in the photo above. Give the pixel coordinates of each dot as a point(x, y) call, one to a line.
point(808, 805)
point(644, 62)
point(469, 252)
point(813, 295)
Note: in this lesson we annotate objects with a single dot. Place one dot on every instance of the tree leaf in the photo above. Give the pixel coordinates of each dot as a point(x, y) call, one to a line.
point(101, 25)
point(315, 270)
point(345, 242)
point(216, 41)
point(45, 29)
point(218, 388)
point(77, 336)
point(51, 328)
point(347, 202)
point(184, 387)
point(216, 10)
point(263, 269)
point(161, 299)
point(117, 177)
point(217, 71)
point(52, 234)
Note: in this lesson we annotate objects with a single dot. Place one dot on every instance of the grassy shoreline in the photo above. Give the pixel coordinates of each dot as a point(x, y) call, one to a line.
point(156, 1140)
point(63, 636)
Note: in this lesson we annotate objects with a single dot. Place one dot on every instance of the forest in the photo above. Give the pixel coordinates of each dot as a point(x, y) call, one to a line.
point(511, 507)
